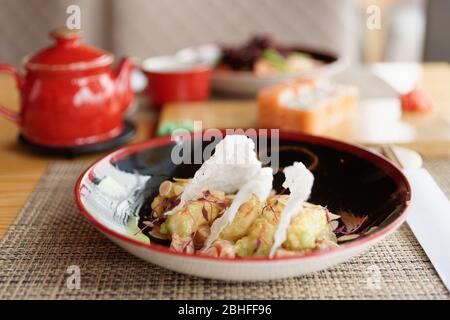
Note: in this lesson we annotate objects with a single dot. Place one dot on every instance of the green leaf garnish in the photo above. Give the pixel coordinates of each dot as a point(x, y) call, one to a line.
point(276, 59)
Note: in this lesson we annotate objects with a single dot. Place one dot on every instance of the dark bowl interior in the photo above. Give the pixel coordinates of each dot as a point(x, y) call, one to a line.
point(347, 178)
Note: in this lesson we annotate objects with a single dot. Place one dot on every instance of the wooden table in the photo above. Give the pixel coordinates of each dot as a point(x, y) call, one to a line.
point(428, 134)
point(20, 171)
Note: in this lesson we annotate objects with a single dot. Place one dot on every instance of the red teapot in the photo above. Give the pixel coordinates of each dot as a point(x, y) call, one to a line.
point(70, 96)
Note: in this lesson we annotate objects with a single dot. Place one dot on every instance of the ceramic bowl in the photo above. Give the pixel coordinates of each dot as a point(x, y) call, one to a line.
point(171, 80)
point(115, 190)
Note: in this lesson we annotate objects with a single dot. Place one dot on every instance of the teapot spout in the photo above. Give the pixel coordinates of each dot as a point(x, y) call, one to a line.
point(124, 91)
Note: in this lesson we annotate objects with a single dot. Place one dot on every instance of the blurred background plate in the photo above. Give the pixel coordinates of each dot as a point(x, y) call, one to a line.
point(246, 83)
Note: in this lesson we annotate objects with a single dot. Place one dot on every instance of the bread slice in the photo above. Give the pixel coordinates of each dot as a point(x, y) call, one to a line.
point(307, 105)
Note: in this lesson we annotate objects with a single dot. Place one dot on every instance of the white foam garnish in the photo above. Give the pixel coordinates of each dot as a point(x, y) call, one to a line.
point(260, 185)
point(299, 180)
point(233, 164)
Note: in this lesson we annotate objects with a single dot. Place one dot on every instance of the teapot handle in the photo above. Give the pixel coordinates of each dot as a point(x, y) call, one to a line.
point(6, 113)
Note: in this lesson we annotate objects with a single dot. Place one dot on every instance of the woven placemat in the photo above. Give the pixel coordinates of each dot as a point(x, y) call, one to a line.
point(50, 235)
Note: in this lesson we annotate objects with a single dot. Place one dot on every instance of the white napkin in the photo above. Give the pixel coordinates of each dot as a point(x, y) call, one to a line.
point(429, 220)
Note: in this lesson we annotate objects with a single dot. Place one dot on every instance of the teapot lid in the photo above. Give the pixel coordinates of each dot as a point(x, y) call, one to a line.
point(68, 54)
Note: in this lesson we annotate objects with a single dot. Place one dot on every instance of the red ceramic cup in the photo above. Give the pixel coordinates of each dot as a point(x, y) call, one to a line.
point(172, 81)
